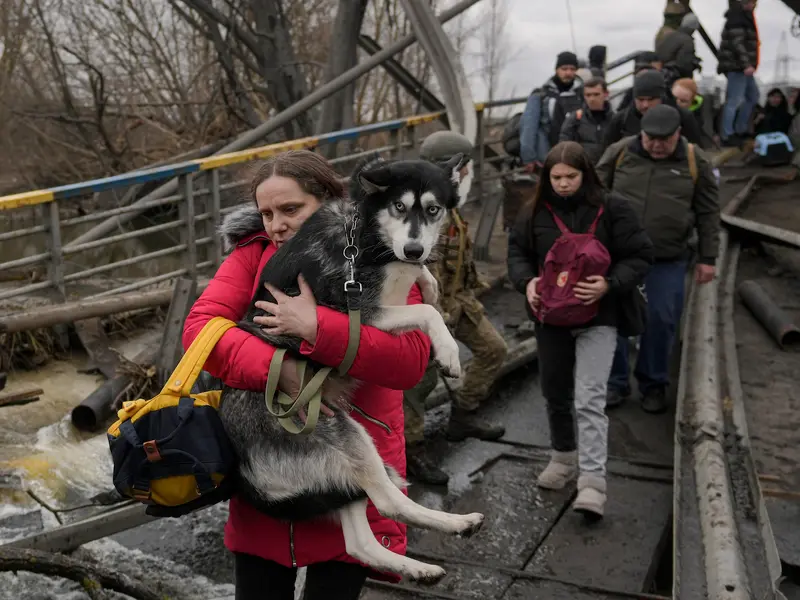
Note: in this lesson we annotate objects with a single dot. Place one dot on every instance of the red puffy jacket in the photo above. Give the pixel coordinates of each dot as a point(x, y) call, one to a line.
point(385, 363)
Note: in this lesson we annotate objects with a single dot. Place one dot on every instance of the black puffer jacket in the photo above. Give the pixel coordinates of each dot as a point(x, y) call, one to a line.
point(676, 51)
point(588, 128)
point(738, 48)
point(619, 231)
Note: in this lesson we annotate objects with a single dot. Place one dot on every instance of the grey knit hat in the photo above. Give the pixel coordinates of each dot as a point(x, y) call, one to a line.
point(441, 146)
point(691, 22)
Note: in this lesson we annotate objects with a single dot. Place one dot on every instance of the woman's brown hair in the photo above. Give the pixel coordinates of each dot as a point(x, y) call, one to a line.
point(312, 172)
point(573, 155)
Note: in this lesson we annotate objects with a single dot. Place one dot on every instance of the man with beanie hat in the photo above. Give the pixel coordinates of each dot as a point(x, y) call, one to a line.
point(644, 61)
point(677, 52)
point(547, 108)
point(649, 90)
point(458, 281)
point(671, 185)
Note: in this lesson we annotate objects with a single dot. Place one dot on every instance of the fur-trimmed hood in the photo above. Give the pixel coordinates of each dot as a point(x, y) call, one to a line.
point(239, 224)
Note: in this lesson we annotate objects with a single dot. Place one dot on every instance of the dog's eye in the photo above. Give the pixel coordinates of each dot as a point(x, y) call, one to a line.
point(434, 210)
point(399, 206)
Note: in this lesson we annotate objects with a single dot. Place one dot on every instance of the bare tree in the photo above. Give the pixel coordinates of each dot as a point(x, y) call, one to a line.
point(494, 52)
point(337, 111)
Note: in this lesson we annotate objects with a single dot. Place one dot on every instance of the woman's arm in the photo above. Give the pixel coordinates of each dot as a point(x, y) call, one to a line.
point(522, 260)
point(394, 361)
point(240, 359)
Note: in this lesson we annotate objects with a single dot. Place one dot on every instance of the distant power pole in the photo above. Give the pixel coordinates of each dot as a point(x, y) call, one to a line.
point(782, 63)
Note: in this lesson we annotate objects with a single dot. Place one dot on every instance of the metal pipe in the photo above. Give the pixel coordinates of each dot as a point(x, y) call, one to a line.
point(777, 323)
point(98, 406)
point(17, 233)
point(276, 122)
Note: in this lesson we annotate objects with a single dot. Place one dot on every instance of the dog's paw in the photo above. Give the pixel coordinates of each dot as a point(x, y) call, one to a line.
point(426, 574)
point(429, 287)
point(472, 525)
point(445, 353)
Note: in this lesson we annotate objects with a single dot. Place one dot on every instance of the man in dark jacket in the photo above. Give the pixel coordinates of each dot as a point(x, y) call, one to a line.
point(588, 124)
point(671, 185)
point(645, 61)
point(738, 60)
point(546, 110)
point(649, 90)
point(676, 50)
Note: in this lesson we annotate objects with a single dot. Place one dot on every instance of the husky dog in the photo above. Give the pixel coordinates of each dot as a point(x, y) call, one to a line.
point(400, 208)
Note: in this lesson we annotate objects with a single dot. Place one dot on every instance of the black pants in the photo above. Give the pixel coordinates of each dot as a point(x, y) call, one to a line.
point(556, 356)
point(259, 579)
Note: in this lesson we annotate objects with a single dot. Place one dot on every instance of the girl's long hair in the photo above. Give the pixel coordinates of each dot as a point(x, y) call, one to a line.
point(573, 155)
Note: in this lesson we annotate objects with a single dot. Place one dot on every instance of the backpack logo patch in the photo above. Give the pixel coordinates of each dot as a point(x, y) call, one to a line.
point(561, 281)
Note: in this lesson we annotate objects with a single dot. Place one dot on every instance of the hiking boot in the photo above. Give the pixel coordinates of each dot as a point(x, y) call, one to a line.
point(616, 398)
point(655, 401)
point(421, 469)
point(591, 499)
point(562, 468)
point(467, 424)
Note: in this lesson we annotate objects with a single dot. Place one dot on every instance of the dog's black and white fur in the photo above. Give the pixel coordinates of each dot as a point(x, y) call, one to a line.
point(401, 206)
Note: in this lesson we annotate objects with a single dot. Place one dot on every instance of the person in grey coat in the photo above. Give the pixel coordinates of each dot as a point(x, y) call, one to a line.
point(677, 52)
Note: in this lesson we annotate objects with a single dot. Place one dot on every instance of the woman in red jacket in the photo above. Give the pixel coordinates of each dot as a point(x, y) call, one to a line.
point(284, 192)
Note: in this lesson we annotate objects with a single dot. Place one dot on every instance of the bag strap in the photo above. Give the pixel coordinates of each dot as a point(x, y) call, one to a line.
point(310, 396)
point(565, 229)
point(690, 151)
point(559, 223)
point(593, 226)
point(182, 380)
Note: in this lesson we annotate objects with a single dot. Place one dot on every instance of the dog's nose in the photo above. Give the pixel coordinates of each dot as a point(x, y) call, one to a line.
point(413, 250)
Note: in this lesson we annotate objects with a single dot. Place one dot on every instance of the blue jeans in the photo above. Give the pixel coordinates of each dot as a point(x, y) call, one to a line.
point(741, 98)
point(664, 287)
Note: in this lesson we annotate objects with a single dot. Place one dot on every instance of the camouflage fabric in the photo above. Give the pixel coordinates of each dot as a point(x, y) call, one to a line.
point(458, 279)
point(489, 350)
point(414, 405)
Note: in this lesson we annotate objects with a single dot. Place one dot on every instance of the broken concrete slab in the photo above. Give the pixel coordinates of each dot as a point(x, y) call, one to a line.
point(625, 546)
point(518, 517)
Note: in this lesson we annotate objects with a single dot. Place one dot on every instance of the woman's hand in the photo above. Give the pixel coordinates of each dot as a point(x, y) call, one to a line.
point(530, 292)
point(290, 315)
point(591, 290)
point(289, 383)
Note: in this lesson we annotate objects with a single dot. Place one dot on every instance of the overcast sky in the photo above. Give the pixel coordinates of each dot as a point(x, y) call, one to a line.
point(537, 30)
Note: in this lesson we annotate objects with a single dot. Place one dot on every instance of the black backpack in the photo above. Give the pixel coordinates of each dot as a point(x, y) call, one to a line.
point(511, 133)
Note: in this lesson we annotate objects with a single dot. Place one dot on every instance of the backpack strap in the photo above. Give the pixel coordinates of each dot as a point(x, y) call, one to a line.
point(593, 226)
point(690, 151)
point(564, 229)
point(620, 156)
point(182, 380)
point(559, 223)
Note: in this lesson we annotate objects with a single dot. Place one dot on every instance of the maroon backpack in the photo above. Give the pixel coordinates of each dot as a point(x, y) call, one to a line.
point(572, 258)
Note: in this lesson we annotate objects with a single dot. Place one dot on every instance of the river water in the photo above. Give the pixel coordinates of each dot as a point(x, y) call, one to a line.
point(63, 468)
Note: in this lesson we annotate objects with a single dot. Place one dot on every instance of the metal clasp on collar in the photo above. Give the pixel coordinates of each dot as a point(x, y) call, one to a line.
point(350, 252)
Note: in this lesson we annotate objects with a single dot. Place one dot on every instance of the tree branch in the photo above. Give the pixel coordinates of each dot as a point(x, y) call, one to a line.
point(91, 577)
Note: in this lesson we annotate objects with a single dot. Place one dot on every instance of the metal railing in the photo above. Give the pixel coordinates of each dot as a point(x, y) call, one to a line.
point(193, 247)
point(200, 208)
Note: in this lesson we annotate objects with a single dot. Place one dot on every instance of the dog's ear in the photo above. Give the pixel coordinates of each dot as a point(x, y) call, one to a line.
point(375, 181)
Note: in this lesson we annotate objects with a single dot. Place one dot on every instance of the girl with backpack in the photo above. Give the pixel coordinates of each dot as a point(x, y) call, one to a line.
point(578, 253)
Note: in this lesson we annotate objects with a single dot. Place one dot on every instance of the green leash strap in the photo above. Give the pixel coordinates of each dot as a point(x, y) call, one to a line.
point(310, 395)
